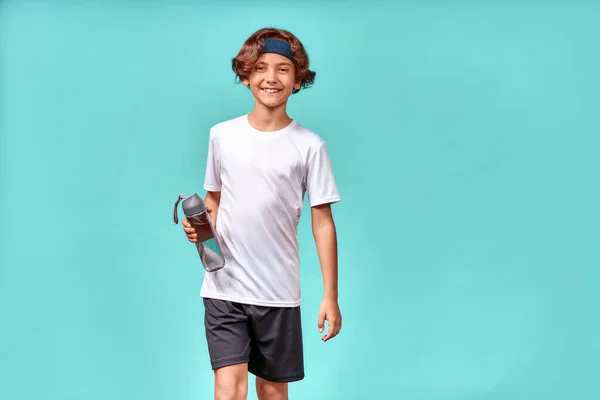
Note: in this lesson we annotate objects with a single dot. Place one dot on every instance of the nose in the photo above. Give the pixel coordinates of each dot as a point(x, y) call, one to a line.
point(271, 76)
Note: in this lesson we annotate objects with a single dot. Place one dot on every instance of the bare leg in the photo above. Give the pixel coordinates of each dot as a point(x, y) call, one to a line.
point(231, 382)
point(267, 390)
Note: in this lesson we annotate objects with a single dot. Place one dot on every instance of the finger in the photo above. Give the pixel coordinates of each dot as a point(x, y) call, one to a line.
point(338, 327)
point(189, 230)
point(333, 330)
point(321, 323)
point(186, 223)
point(327, 336)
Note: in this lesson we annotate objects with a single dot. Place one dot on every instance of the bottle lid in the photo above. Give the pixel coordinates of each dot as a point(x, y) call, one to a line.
point(193, 205)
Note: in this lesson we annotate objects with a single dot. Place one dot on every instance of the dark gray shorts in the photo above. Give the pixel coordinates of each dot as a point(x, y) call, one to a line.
point(269, 339)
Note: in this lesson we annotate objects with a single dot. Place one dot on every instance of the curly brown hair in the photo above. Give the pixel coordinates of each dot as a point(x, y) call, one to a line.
point(251, 51)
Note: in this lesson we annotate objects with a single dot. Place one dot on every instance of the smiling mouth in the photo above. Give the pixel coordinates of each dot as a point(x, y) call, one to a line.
point(271, 91)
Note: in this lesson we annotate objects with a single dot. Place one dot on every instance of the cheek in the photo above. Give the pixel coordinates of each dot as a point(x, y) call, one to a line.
point(289, 81)
point(252, 79)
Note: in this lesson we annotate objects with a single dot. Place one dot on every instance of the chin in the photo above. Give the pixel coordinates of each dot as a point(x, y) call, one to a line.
point(271, 102)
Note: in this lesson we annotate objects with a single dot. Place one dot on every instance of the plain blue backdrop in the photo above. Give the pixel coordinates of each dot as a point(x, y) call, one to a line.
point(464, 137)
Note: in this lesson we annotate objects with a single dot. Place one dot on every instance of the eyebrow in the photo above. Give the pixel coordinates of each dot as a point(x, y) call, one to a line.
point(286, 63)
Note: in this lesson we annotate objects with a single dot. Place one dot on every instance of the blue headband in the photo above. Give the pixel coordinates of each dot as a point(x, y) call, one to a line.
point(278, 46)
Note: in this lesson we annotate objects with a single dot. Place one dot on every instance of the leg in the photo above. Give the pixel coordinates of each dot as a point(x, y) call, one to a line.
point(276, 356)
point(231, 382)
point(227, 334)
point(267, 390)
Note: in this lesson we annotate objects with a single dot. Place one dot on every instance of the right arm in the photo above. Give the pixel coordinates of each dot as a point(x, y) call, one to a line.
point(212, 201)
point(212, 184)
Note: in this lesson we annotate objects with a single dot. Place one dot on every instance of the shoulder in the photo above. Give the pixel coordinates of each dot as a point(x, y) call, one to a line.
point(306, 139)
point(224, 127)
point(308, 135)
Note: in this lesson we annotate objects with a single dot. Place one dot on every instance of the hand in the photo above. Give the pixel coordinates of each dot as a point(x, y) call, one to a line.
point(189, 231)
point(330, 311)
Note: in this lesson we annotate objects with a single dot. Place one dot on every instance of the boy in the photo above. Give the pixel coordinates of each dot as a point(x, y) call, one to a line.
point(259, 167)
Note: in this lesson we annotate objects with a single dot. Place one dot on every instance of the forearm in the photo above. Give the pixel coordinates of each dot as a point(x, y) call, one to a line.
point(212, 201)
point(326, 241)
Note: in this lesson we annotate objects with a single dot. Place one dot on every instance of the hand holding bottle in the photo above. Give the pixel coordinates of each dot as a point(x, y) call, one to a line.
point(199, 229)
point(191, 233)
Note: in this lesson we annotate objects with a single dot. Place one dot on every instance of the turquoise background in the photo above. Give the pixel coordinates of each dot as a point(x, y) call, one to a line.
point(464, 136)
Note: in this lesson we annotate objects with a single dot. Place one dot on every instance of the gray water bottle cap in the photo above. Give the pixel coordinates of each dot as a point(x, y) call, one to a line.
point(193, 205)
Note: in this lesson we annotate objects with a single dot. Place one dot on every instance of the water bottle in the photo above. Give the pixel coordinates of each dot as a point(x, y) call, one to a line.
point(207, 243)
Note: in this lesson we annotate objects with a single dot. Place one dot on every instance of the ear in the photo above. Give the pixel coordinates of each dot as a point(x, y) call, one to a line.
point(297, 85)
point(245, 82)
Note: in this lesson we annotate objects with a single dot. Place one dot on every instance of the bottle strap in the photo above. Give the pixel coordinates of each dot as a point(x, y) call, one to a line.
point(175, 216)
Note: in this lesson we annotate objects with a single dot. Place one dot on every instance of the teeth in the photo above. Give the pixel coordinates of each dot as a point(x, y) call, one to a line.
point(271, 90)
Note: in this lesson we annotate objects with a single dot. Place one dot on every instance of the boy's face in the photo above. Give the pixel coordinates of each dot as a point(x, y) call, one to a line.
point(272, 80)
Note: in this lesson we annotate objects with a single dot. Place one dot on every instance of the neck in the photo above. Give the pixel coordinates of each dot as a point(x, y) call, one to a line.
point(269, 119)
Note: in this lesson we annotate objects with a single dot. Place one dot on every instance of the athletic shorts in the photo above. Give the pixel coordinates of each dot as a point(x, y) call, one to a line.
point(269, 339)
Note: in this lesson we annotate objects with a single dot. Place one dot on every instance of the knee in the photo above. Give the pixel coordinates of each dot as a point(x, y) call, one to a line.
point(230, 389)
point(231, 386)
point(271, 390)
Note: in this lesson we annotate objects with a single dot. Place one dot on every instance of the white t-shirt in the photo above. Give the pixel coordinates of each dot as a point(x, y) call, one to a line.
point(263, 178)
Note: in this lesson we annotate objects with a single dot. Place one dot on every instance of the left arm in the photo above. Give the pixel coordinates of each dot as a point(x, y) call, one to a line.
point(324, 233)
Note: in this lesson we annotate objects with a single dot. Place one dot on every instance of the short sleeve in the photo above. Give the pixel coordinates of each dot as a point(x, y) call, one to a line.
point(212, 178)
point(321, 186)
